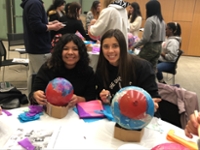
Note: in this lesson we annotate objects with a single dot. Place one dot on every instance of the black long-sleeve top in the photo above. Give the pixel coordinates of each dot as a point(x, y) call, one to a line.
point(145, 78)
point(83, 82)
point(72, 25)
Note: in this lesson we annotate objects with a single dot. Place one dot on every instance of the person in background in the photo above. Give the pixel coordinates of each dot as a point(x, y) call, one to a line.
point(93, 13)
point(73, 22)
point(116, 68)
point(113, 16)
point(192, 126)
point(67, 8)
point(36, 35)
point(170, 49)
point(135, 19)
point(69, 60)
point(154, 34)
point(55, 11)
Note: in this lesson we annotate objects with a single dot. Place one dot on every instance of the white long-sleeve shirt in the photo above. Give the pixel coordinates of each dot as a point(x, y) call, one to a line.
point(135, 25)
point(112, 17)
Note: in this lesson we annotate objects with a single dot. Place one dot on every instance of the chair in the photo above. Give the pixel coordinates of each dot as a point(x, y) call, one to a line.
point(7, 62)
point(16, 39)
point(173, 70)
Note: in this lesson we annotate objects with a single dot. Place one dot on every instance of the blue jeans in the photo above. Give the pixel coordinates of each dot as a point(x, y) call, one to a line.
point(163, 66)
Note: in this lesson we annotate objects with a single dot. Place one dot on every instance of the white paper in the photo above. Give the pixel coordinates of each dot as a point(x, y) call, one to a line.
point(20, 60)
point(43, 138)
point(141, 29)
point(20, 49)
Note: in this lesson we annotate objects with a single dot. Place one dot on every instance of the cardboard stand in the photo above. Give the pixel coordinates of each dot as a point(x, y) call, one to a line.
point(127, 135)
point(56, 111)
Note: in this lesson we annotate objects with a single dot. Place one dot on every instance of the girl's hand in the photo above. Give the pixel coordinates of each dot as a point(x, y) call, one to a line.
point(73, 101)
point(40, 97)
point(104, 96)
point(156, 101)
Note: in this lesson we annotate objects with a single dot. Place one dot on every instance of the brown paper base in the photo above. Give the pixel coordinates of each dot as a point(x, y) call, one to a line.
point(128, 135)
point(56, 111)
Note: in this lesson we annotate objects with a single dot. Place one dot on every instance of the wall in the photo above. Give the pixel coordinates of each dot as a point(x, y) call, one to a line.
point(185, 12)
point(3, 22)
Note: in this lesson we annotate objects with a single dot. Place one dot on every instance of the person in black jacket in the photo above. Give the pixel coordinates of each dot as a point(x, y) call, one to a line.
point(116, 68)
point(69, 60)
point(73, 21)
point(36, 35)
point(55, 11)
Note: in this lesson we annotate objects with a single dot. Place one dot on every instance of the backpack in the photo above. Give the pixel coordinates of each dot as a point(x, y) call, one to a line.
point(10, 96)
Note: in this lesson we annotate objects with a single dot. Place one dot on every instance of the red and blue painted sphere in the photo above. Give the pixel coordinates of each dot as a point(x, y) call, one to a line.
point(59, 92)
point(132, 107)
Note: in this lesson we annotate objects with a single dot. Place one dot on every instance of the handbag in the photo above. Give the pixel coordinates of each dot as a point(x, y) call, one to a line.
point(10, 96)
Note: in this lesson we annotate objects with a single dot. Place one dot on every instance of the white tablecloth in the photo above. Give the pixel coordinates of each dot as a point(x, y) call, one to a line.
point(76, 134)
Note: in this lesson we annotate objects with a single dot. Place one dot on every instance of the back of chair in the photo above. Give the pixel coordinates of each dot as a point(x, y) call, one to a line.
point(173, 71)
point(2, 51)
point(15, 39)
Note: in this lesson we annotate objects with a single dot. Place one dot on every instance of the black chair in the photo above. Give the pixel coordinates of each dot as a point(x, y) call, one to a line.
point(173, 71)
point(7, 62)
point(16, 39)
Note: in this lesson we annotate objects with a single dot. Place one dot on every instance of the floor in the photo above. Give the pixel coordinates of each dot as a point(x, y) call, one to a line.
point(187, 76)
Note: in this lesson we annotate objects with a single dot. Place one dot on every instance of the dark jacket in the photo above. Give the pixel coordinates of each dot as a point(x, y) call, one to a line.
point(83, 81)
point(145, 78)
point(36, 36)
point(73, 25)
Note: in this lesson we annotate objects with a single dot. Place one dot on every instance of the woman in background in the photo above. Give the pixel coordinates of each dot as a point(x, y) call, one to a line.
point(93, 13)
point(55, 11)
point(170, 49)
point(117, 68)
point(135, 19)
point(73, 22)
point(154, 34)
point(69, 60)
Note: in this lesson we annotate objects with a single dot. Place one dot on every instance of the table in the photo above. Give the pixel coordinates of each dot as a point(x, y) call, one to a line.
point(74, 133)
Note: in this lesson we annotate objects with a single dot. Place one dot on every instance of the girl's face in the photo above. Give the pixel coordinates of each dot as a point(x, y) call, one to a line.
point(62, 7)
point(70, 55)
point(99, 7)
point(131, 9)
point(168, 31)
point(79, 12)
point(111, 50)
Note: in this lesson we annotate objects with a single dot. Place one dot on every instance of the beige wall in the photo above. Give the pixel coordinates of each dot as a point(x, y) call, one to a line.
point(187, 14)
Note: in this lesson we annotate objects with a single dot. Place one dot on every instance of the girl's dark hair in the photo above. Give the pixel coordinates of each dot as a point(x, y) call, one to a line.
point(175, 27)
point(94, 8)
point(67, 8)
point(56, 3)
point(136, 11)
point(126, 66)
point(153, 8)
point(56, 61)
point(73, 10)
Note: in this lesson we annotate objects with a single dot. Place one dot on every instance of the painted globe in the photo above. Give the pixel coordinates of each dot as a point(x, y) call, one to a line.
point(59, 91)
point(132, 40)
point(132, 107)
